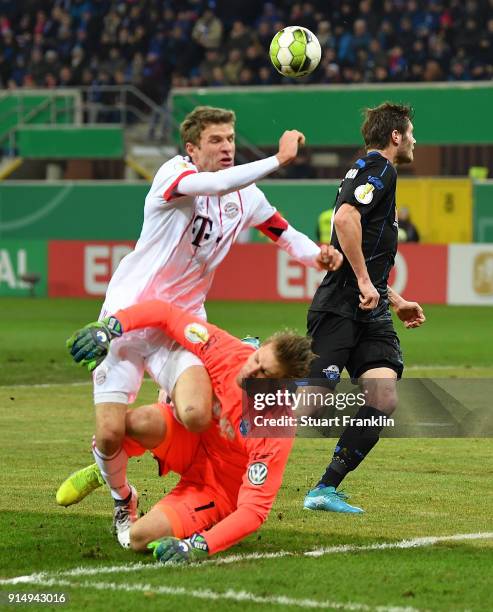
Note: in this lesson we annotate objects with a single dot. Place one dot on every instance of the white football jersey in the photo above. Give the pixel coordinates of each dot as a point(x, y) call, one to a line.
point(183, 240)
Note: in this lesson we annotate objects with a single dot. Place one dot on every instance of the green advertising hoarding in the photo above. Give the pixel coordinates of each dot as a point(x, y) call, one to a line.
point(483, 211)
point(81, 211)
point(19, 258)
point(332, 114)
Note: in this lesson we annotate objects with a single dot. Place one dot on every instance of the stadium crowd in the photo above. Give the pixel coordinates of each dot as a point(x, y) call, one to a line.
point(155, 44)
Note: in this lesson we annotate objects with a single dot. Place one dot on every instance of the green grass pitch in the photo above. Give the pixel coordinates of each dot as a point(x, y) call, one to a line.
point(410, 488)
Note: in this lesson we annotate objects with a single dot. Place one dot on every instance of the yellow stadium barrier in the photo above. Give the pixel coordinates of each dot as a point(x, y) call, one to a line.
point(441, 209)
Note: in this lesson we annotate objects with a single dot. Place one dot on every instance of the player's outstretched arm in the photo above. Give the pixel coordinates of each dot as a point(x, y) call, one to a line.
point(299, 246)
point(89, 346)
point(238, 177)
point(255, 499)
point(410, 313)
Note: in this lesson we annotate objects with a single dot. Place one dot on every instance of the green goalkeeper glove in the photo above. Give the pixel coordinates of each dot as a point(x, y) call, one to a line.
point(90, 345)
point(174, 550)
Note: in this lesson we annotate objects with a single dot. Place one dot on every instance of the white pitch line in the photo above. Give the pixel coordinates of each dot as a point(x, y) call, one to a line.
point(230, 594)
point(319, 552)
point(414, 543)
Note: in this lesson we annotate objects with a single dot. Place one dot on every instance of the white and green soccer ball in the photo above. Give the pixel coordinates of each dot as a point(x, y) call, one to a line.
point(295, 51)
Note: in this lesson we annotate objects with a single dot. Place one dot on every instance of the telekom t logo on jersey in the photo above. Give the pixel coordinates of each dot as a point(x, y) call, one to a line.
point(201, 230)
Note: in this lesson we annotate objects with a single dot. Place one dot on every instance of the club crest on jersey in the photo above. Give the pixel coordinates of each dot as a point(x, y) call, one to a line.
point(231, 209)
point(332, 373)
point(257, 473)
point(364, 193)
point(196, 333)
point(100, 376)
point(183, 165)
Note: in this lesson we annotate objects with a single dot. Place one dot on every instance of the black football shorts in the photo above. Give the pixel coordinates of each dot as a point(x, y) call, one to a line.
point(354, 345)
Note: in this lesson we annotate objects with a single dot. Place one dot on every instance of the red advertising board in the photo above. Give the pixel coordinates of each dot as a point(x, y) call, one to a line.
point(83, 269)
point(420, 273)
point(249, 272)
point(264, 272)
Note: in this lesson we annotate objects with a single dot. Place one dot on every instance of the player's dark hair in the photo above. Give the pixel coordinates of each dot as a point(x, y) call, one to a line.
point(382, 120)
point(201, 117)
point(293, 352)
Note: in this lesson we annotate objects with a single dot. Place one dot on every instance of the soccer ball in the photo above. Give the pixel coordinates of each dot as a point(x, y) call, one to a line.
point(295, 51)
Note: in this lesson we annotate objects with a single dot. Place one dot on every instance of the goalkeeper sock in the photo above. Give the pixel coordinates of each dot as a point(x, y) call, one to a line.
point(353, 446)
point(114, 471)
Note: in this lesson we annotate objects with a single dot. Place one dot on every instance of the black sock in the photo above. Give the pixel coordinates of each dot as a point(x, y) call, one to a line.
point(352, 447)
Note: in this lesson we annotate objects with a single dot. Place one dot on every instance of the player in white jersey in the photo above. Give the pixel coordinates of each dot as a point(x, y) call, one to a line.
point(195, 209)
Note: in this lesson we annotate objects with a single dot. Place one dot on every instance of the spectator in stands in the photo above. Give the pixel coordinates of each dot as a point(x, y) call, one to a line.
point(114, 62)
point(37, 67)
point(324, 34)
point(52, 62)
point(379, 41)
point(218, 79)
point(397, 64)
point(77, 64)
point(233, 67)
point(212, 60)
point(303, 15)
point(432, 71)
point(208, 31)
point(458, 71)
point(18, 71)
point(267, 76)
point(265, 34)
point(381, 75)
point(240, 37)
point(367, 12)
point(135, 70)
point(361, 37)
point(247, 76)
point(254, 58)
point(271, 15)
point(406, 34)
point(65, 78)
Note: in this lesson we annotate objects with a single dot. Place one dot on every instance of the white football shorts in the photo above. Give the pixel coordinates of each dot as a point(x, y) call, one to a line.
point(119, 378)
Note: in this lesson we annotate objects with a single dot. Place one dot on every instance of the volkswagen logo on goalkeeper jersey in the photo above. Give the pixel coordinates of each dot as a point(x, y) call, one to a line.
point(257, 473)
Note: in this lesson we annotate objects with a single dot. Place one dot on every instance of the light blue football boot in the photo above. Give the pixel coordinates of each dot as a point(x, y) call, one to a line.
point(330, 500)
point(253, 341)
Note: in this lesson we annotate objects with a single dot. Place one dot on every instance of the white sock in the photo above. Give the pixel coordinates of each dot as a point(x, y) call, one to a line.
point(114, 471)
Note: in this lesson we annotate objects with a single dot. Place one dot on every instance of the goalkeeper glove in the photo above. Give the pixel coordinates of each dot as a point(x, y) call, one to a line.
point(90, 345)
point(174, 550)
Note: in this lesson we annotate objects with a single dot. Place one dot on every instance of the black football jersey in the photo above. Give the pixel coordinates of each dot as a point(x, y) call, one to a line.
point(369, 185)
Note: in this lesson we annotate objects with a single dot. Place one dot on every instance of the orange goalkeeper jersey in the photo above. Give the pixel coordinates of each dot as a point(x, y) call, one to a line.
point(249, 468)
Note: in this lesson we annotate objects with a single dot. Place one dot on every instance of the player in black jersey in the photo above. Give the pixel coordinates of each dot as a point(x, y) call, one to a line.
point(349, 318)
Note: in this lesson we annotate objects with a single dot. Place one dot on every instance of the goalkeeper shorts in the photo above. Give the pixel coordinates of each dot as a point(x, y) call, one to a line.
point(199, 500)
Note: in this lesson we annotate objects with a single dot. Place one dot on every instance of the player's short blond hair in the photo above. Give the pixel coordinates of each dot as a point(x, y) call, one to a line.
point(293, 352)
point(201, 117)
